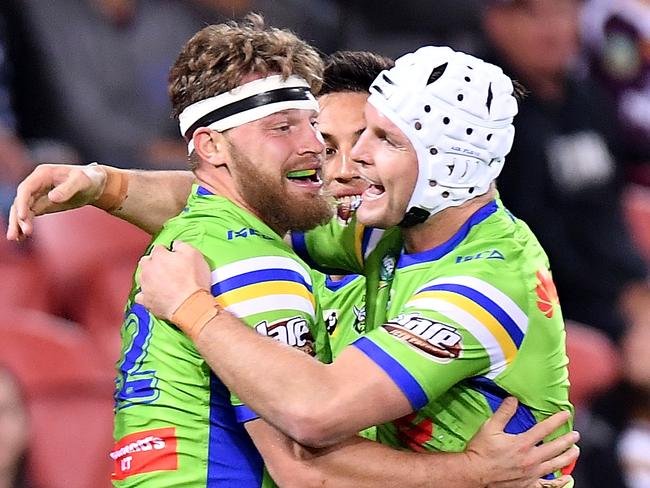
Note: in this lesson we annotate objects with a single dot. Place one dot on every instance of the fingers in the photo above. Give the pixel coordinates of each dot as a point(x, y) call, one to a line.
point(567, 458)
point(182, 247)
point(503, 414)
point(556, 447)
point(76, 182)
point(545, 428)
point(556, 483)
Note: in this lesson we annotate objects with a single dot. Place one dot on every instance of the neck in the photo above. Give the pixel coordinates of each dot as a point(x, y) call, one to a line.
point(439, 228)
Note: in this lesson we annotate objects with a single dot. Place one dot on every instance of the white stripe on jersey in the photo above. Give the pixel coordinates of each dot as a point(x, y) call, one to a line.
point(490, 291)
point(375, 237)
point(271, 303)
point(258, 263)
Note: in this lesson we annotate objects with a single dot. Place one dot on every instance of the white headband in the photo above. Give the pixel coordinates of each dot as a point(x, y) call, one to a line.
point(246, 103)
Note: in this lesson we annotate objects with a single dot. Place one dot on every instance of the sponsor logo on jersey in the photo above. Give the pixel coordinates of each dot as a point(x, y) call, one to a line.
point(438, 341)
point(547, 299)
point(491, 254)
point(294, 332)
point(331, 319)
point(246, 232)
point(145, 452)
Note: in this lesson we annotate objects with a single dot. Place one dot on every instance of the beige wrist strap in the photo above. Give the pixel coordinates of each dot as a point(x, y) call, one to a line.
point(195, 313)
point(115, 189)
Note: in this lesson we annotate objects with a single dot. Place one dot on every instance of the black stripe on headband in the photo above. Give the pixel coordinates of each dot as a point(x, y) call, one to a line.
point(254, 101)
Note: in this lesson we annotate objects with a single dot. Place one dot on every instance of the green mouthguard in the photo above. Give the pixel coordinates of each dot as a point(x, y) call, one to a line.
point(301, 173)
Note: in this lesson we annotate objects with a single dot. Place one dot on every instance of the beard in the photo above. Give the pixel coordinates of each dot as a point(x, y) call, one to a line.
point(273, 202)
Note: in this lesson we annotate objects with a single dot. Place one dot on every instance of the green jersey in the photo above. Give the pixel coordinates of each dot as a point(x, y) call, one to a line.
point(343, 305)
point(176, 424)
point(469, 322)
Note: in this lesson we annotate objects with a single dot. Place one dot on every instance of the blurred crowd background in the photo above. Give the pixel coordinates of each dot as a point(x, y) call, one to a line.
point(85, 80)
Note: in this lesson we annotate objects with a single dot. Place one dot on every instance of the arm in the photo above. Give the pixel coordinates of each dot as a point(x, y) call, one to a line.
point(314, 403)
point(150, 198)
point(493, 459)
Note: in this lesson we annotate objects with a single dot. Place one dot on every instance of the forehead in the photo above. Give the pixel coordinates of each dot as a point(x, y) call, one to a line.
point(342, 108)
point(378, 121)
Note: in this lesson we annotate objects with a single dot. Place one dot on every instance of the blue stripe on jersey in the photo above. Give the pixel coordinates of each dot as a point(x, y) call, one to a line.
point(445, 248)
point(233, 461)
point(398, 373)
point(332, 285)
point(245, 414)
point(203, 191)
point(522, 420)
point(488, 304)
point(258, 276)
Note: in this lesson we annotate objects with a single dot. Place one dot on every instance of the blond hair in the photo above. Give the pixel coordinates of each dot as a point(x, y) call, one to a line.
point(218, 57)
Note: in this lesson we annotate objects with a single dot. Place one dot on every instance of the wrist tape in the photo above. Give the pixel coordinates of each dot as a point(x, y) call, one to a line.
point(195, 312)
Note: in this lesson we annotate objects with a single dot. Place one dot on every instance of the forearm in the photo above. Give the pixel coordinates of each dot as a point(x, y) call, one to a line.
point(241, 357)
point(357, 463)
point(153, 197)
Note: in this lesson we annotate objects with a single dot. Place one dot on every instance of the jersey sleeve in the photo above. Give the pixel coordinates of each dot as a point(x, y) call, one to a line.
point(271, 293)
point(337, 248)
point(449, 330)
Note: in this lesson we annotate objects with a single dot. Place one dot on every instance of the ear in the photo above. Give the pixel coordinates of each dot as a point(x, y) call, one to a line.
point(210, 146)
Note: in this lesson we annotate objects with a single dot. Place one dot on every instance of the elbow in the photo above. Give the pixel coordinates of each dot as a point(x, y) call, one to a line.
point(314, 426)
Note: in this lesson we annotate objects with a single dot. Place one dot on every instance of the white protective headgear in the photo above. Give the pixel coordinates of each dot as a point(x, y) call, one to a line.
point(457, 111)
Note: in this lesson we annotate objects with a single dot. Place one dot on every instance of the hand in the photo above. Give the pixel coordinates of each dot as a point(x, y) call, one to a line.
point(509, 461)
point(168, 278)
point(52, 188)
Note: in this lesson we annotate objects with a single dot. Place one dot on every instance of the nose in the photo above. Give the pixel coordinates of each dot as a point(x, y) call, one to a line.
point(359, 153)
point(311, 140)
point(345, 168)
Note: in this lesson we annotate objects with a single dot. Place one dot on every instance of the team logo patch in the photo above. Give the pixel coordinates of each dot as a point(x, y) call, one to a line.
point(547, 298)
point(331, 319)
point(294, 332)
point(438, 341)
point(145, 452)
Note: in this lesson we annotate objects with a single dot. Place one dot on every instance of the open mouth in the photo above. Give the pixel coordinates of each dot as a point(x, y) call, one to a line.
point(374, 191)
point(346, 206)
point(305, 177)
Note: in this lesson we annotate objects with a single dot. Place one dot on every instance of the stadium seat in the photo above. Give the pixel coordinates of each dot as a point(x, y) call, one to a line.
point(77, 247)
point(69, 394)
point(636, 203)
point(594, 363)
point(22, 284)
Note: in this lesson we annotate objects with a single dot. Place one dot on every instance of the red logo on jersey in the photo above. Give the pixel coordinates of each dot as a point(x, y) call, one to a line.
point(144, 452)
point(412, 434)
point(546, 292)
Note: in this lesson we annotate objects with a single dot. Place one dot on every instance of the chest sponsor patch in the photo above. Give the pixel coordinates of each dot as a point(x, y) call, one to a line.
point(438, 341)
point(145, 452)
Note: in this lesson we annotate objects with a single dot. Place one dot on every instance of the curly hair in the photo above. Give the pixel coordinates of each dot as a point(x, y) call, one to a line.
point(218, 57)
